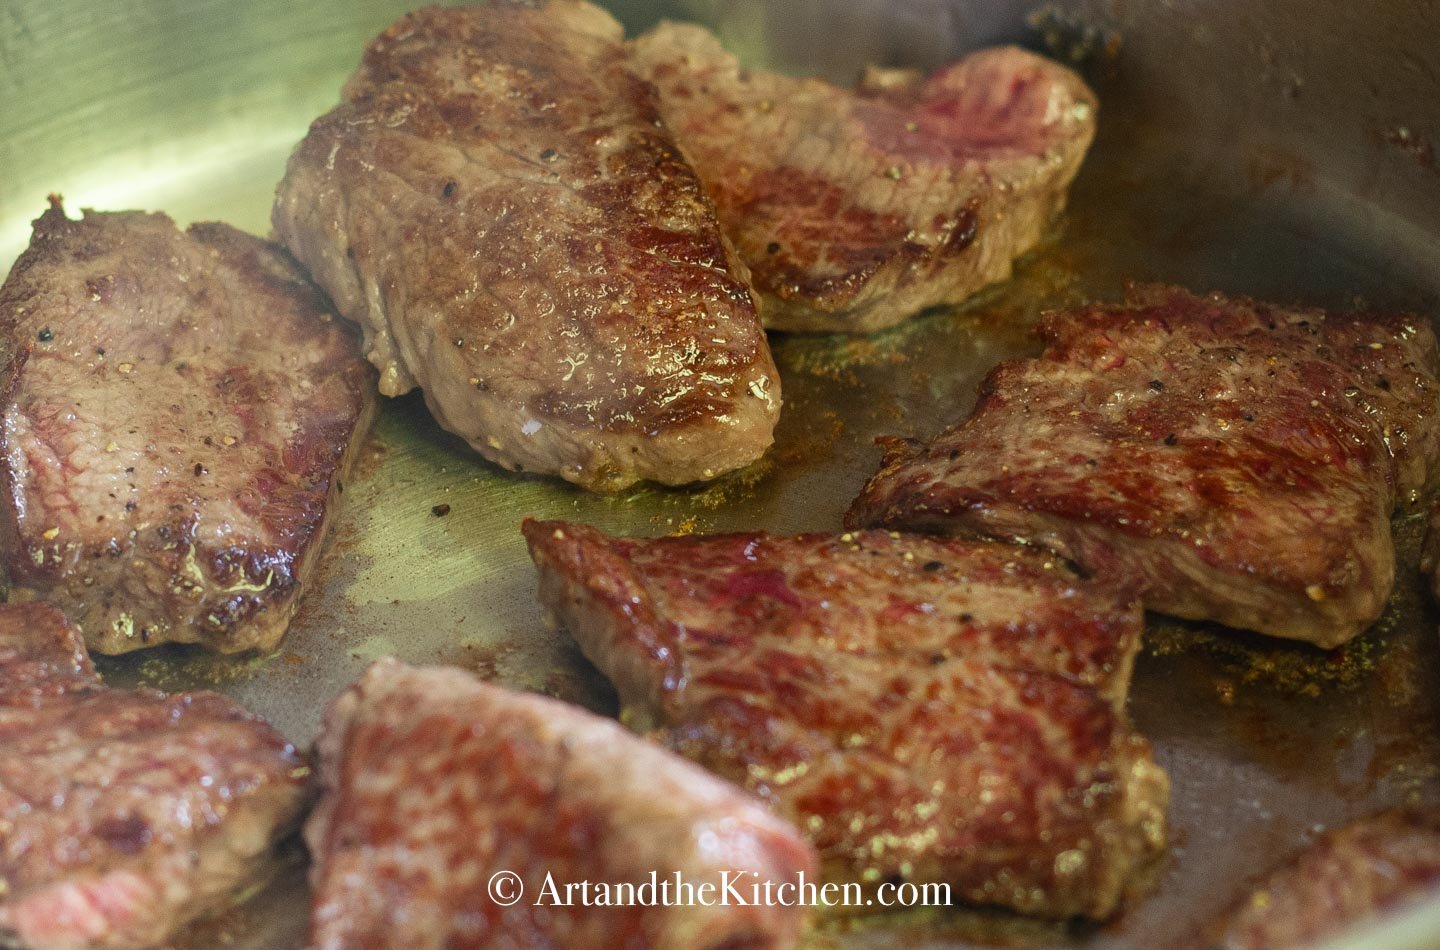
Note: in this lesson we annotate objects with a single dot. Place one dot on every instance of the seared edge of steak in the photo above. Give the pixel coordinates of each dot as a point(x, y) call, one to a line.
point(180, 409)
point(1236, 460)
point(498, 203)
point(434, 781)
point(882, 758)
point(855, 210)
point(869, 593)
point(125, 814)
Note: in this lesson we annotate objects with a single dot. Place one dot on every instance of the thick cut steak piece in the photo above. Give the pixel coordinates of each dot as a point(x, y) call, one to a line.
point(124, 815)
point(928, 710)
point(1239, 461)
point(855, 210)
point(179, 409)
point(497, 202)
point(434, 783)
point(1349, 876)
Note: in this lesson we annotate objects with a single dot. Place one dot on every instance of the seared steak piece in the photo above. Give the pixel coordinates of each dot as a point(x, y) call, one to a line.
point(178, 412)
point(434, 783)
point(866, 594)
point(124, 815)
point(1239, 461)
point(923, 708)
point(498, 204)
point(1351, 874)
point(856, 210)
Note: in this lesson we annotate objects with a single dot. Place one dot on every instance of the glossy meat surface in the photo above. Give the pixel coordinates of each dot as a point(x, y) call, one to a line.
point(498, 204)
point(1239, 461)
point(179, 409)
point(920, 722)
point(433, 782)
point(1351, 875)
point(857, 209)
point(124, 815)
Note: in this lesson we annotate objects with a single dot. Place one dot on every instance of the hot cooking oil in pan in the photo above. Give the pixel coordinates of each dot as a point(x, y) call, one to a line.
point(1264, 741)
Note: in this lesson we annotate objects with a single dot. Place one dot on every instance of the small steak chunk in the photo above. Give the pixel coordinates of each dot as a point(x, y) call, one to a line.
point(498, 204)
point(926, 709)
point(1238, 461)
point(856, 210)
point(434, 783)
point(178, 412)
point(1350, 875)
point(124, 815)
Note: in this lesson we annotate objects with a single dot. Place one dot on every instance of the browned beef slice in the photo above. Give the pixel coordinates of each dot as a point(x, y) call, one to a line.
point(498, 204)
point(179, 408)
point(435, 782)
point(1238, 460)
point(926, 709)
point(855, 210)
point(124, 814)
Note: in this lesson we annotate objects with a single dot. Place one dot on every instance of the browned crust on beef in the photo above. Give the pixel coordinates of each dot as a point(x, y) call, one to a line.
point(968, 754)
point(433, 782)
point(179, 411)
point(855, 210)
point(497, 202)
point(1237, 460)
point(124, 815)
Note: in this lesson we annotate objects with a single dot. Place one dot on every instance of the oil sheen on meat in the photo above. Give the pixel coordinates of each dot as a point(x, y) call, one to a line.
point(180, 408)
point(434, 783)
point(855, 210)
point(125, 814)
point(497, 202)
point(1238, 461)
point(925, 709)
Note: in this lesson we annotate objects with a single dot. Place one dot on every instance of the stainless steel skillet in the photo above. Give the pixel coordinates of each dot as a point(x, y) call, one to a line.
point(1282, 148)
